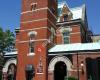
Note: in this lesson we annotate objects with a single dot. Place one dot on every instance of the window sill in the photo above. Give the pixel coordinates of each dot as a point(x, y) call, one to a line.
point(39, 73)
point(31, 54)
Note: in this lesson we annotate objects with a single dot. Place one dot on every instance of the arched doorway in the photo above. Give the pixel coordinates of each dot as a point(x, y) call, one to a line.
point(11, 73)
point(93, 68)
point(98, 67)
point(55, 61)
point(60, 70)
point(8, 68)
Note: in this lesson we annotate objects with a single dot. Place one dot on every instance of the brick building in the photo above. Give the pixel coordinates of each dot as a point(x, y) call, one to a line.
point(54, 42)
point(96, 38)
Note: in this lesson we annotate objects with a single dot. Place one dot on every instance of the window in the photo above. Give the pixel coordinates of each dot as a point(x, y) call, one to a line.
point(31, 43)
point(66, 40)
point(30, 72)
point(65, 17)
point(32, 36)
point(31, 47)
point(52, 34)
point(33, 6)
point(66, 37)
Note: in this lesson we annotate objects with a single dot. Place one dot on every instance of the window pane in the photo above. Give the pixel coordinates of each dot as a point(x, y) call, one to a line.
point(33, 6)
point(31, 47)
point(66, 40)
point(32, 50)
point(65, 17)
point(66, 33)
point(32, 37)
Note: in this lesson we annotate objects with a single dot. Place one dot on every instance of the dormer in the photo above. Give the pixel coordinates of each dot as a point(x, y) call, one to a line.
point(65, 13)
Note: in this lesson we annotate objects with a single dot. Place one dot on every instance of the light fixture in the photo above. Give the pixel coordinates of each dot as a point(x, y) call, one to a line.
point(82, 67)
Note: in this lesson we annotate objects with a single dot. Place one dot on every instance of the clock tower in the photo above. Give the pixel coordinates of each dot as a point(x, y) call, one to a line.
point(37, 28)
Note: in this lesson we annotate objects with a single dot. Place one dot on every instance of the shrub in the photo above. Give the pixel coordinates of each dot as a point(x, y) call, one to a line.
point(70, 78)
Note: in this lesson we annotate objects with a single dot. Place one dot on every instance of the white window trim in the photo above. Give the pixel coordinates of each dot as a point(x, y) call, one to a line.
point(33, 4)
point(39, 73)
point(30, 54)
point(32, 32)
point(29, 34)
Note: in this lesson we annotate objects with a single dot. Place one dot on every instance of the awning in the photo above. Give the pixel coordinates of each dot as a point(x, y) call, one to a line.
point(76, 47)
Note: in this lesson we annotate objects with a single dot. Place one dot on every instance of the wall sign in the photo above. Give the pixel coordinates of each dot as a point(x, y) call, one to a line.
point(40, 67)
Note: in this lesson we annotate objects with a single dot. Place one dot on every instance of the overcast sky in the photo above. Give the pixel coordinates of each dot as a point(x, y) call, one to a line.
point(10, 13)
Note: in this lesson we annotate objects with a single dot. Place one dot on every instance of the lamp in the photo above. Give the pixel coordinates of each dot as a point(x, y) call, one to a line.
point(82, 67)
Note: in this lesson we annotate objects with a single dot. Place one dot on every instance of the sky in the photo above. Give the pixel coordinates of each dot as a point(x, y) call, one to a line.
point(10, 13)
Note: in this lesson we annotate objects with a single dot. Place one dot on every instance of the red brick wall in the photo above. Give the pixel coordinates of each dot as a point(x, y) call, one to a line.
point(30, 22)
point(42, 33)
point(75, 35)
point(81, 58)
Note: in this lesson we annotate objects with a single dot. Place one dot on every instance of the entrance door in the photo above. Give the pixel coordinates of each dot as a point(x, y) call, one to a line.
point(11, 73)
point(93, 69)
point(60, 70)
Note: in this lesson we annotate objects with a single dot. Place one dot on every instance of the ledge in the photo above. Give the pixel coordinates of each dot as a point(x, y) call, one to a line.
point(31, 54)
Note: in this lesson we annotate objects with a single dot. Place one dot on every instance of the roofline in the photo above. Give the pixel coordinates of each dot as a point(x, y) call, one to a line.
point(77, 7)
point(76, 52)
point(70, 22)
point(96, 35)
point(62, 4)
point(13, 55)
point(10, 54)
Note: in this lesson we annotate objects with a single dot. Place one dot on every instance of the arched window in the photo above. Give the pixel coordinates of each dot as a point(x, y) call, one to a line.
point(32, 36)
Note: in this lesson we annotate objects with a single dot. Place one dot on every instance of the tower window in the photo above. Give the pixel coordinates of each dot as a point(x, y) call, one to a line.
point(33, 6)
point(31, 47)
point(30, 72)
point(32, 36)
